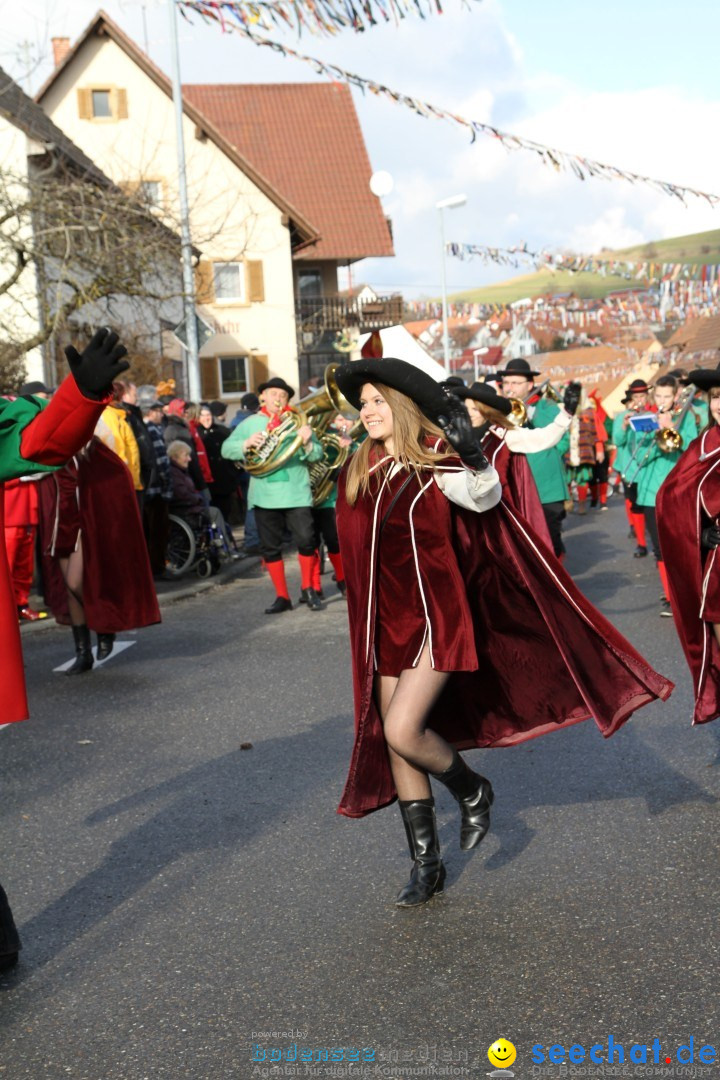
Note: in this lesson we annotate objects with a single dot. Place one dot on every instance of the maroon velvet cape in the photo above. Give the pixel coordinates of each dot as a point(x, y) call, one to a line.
point(118, 588)
point(518, 484)
point(687, 502)
point(546, 657)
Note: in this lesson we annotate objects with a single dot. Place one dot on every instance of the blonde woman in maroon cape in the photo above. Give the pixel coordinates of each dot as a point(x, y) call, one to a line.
point(465, 630)
point(688, 511)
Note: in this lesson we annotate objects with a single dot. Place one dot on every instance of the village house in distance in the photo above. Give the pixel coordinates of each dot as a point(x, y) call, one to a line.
point(278, 179)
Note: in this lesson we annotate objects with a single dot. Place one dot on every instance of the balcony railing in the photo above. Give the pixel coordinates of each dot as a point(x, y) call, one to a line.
point(318, 315)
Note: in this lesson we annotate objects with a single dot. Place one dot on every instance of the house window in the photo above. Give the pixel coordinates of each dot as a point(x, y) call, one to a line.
point(151, 192)
point(234, 374)
point(229, 281)
point(101, 103)
point(309, 284)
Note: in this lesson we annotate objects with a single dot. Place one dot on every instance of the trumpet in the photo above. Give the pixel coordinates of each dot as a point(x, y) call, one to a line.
point(670, 440)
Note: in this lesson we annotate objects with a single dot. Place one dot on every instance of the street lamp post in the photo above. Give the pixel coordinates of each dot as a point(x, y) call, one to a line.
point(193, 363)
point(446, 204)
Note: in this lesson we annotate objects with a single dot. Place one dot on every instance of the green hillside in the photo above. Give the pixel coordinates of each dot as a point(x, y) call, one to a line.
point(697, 248)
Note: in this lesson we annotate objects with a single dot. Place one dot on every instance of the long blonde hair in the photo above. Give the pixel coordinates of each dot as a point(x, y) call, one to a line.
point(410, 429)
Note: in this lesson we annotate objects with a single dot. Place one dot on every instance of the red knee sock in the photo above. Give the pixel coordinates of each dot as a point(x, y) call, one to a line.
point(582, 491)
point(316, 582)
point(663, 577)
point(337, 566)
point(307, 564)
point(276, 570)
point(602, 493)
point(630, 515)
point(638, 521)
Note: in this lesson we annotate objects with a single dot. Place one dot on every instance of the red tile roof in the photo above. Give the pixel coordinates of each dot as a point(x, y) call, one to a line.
point(306, 139)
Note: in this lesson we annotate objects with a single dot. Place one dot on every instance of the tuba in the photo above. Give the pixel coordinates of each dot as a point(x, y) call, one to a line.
point(321, 408)
point(278, 446)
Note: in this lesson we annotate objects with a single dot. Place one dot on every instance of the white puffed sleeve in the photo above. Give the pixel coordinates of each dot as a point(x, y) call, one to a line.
point(531, 440)
point(473, 490)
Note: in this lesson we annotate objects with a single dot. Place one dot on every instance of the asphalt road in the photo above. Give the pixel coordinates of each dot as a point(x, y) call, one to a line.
point(178, 894)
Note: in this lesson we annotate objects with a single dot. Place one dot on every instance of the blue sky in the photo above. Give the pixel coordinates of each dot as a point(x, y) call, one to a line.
point(630, 82)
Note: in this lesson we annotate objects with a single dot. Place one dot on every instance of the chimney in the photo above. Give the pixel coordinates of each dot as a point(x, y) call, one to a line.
point(60, 47)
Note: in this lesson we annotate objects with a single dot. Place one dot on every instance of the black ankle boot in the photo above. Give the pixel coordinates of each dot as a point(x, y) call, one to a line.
point(83, 653)
point(105, 645)
point(9, 939)
point(428, 873)
point(475, 796)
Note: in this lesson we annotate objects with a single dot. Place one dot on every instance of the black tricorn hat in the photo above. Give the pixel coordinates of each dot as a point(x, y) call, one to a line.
point(705, 379)
point(30, 388)
point(409, 380)
point(637, 386)
point(518, 366)
point(485, 395)
point(277, 383)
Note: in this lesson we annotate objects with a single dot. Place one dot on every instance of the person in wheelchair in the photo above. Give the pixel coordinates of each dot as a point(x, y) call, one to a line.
point(187, 502)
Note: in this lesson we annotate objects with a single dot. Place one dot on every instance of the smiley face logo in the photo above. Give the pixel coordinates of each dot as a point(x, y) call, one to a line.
point(501, 1054)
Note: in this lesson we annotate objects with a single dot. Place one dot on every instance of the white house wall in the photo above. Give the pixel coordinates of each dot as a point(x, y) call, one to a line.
point(231, 218)
point(19, 315)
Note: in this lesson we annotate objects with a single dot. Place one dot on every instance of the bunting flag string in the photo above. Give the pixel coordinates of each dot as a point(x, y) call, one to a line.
point(317, 16)
point(641, 270)
point(562, 161)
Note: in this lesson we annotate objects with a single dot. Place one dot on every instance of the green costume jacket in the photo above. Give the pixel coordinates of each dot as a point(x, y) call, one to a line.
point(657, 465)
point(284, 489)
point(547, 465)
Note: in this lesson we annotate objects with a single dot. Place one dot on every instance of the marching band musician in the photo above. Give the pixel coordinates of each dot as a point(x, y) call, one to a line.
point(465, 632)
point(546, 464)
point(656, 464)
point(688, 510)
point(628, 445)
point(282, 499)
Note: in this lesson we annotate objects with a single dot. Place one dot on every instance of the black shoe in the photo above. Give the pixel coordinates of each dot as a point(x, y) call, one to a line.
point(105, 645)
point(9, 937)
point(279, 605)
point(83, 652)
point(666, 609)
point(428, 873)
point(640, 552)
point(342, 587)
point(312, 599)
point(474, 795)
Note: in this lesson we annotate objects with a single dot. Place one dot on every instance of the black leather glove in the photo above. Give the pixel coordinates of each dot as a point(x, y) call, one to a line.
point(571, 399)
point(710, 538)
point(454, 420)
point(98, 365)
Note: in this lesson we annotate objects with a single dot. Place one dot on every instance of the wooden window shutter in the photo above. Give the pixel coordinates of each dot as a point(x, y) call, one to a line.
point(209, 378)
point(84, 100)
point(255, 281)
point(121, 110)
point(258, 370)
point(204, 284)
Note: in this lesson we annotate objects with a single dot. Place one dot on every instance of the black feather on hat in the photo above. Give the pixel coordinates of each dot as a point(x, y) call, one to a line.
point(409, 380)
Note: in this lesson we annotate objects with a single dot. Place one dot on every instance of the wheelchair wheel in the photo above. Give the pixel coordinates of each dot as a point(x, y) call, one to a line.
point(204, 568)
point(180, 547)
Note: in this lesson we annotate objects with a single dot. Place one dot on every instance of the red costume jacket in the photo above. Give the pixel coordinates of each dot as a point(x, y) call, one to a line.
point(687, 502)
point(543, 657)
point(48, 439)
point(118, 589)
